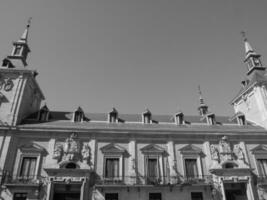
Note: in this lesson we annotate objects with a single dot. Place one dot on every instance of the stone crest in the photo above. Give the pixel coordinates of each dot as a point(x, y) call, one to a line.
point(70, 150)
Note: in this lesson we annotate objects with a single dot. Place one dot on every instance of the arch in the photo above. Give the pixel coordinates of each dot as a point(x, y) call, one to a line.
point(229, 165)
point(68, 165)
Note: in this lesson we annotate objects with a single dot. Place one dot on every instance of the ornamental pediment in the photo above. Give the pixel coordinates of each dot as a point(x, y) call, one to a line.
point(32, 148)
point(260, 149)
point(153, 148)
point(113, 148)
point(190, 149)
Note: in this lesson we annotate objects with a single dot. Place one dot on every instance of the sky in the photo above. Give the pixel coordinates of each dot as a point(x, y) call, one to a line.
point(137, 54)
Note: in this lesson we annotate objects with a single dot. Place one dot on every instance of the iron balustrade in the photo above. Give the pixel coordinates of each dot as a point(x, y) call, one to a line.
point(162, 180)
point(25, 180)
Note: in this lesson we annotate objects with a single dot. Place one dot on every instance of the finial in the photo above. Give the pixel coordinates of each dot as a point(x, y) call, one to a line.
point(243, 33)
point(29, 22)
point(199, 91)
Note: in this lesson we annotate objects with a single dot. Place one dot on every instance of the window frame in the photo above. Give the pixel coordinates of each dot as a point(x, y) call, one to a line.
point(259, 152)
point(112, 193)
point(192, 152)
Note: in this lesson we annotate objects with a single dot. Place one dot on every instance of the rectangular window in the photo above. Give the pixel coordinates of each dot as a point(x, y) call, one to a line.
point(112, 168)
point(262, 164)
point(191, 168)
point(111, 196)
point(152, 170)
point(196, 196)
point(28, 166)
point(154, 196)
point(17, 50)
point(20, 196)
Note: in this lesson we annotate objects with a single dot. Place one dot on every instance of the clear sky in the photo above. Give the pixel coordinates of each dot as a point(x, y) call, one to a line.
point(133, 54)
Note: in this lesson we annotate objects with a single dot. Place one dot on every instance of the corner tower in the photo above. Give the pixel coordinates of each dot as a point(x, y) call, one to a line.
point(251, 100)
point(20, 94)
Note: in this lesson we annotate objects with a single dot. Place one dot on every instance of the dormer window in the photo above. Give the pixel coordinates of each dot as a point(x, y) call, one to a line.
point(78, 115)
point(43, 114)
point(179, 118)
point(211, 119)
point(113, 116)
point(147, 117)
point(241, 119)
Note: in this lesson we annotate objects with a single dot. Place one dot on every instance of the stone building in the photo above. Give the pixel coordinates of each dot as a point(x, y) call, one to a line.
point(53, 155)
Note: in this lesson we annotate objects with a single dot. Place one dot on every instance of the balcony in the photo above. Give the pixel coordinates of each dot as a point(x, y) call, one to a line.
point(154, 181)
point(262, 180)
point(16, 180)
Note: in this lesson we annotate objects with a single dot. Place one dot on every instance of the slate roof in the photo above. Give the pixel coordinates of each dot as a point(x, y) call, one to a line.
point(63, 120)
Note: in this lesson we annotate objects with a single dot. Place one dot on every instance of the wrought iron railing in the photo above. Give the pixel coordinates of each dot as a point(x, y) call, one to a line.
point(162, 180)
point(25, 180)
point(262, 180)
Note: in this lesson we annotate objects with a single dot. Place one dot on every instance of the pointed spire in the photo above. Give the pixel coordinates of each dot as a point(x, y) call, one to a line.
point(248, 48)
point(203, 108)
point(24, 37)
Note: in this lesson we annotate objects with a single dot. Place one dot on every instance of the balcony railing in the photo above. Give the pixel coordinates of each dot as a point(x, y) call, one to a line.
point(24, 180)
point(262, 180)
point(163, 180)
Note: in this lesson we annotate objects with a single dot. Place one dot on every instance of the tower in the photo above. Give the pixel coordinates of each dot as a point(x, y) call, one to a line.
point(202, 108)
point(251, 100)
point(20, 94)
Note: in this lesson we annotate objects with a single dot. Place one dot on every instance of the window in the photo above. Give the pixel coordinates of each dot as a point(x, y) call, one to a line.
point(152, 170)
point(112, 168)
point(179, 118)
point(196, 196)
point(113, 116)
point(154, 196)
point(262, 165)
point(78, 115)
point(27, 170)
point(111, 196)
point(147, 117)
point(241, 120)
point(20, 196)
point(17, 50)
point(191, 170)
point(211, 119)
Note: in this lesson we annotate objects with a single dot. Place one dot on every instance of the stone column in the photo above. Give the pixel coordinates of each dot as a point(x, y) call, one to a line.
point(83, 195)
point(50, 162)
point(92, 145)
point(49, 191)
point(172, 162)
point(132, 162)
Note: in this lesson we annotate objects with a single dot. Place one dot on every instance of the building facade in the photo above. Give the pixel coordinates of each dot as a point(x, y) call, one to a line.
point(51, 155)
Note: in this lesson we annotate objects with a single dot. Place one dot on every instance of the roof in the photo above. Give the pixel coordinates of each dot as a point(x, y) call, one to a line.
point(256, 77)
point(62, 120)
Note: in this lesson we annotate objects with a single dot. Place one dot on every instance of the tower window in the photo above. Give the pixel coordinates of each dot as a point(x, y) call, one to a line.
point(241, 120)
point(211, 119)
point(17, 50)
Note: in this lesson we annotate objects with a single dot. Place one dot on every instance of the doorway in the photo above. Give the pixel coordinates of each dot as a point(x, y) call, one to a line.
point(235, 191)
point(67, 192)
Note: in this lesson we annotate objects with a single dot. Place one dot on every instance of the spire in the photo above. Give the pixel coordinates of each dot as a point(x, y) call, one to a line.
point(252, 59)
point(203, 108)
point(24, 36)
point(19, 54)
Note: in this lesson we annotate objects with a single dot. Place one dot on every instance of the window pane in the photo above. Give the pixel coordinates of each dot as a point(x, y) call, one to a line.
point(191, 168)
point(112, 167)
point(111, 196)
point(154, 196)
point(28, 167)
point(196, 196)
point(20, 196)
point(262, 163)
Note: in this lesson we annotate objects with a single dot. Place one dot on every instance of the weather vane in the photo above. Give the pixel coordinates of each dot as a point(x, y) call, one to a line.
point(199, 90)
point(29, 22)
point(243, 33)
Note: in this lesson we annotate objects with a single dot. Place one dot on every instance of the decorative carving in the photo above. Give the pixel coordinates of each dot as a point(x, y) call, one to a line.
point(239, 152)
point(71, 148)
point(86, 153)
point(214, 152)
point(57, 154)
point(225, 149)
point(8, 85)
